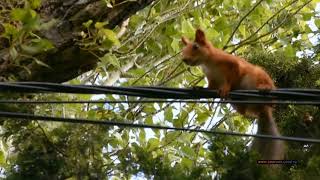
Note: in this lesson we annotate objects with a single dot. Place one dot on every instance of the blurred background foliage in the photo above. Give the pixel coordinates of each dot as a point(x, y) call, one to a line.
point(281, 36)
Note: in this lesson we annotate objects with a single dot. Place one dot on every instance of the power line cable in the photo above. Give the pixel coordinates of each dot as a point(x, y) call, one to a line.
point(28, 117)
point(162, 92)
point(156, 101)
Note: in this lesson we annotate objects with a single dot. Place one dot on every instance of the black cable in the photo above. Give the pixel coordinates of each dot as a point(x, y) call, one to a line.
point(162, 92)
point(157, 101)
point(296, 96)
point(25, 116)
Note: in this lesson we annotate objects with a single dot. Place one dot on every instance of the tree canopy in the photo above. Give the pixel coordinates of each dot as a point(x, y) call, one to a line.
point(137, 43)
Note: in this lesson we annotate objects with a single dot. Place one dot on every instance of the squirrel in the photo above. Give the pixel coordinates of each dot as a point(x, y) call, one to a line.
point(226, 72)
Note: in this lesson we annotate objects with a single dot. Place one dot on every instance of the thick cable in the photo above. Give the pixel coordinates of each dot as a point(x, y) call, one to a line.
point(157, 101)
point(28, 117)
point(162, 92)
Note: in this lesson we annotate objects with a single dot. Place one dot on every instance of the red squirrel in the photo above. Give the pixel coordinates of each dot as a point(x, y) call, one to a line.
point(226, 72)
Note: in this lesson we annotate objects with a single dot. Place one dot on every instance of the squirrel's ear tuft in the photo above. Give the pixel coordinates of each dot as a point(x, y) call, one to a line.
point(184, 40)
point(200, 37)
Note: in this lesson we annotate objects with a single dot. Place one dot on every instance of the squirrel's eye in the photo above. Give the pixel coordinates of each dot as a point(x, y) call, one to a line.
point(195, 46)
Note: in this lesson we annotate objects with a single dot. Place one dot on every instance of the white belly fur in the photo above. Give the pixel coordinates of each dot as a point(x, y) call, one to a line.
point(213, 72)
point(247, 82)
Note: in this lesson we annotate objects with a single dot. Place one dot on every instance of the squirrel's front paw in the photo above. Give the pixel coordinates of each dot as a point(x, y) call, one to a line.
point(223, 93)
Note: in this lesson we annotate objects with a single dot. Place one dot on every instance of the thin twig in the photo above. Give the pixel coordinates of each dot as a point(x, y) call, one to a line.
point(265, 23)
point(154, 67)
point(274, 29)
point(170, 78)
point(51, 143)
point(170, 74)
point(239, 23)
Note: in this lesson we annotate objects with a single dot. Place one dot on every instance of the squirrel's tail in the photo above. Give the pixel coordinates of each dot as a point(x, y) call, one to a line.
point(267, 148)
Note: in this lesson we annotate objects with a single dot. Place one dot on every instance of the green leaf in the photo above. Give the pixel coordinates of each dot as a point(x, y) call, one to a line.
point(290, 51)
point(188, 151)
point(28, 17)
point(183, 116)
point(212, 34)
point(242, 30)
point(37, 46)
point(215, 11)
point(13, 53)
point(153, 143)
point(168, 115)
point(43, 44)
point(99, 25)
point(171, 30)
point(177, 122)
point(27, 69)
point(41, 63)
point(18, 14)
point(31, 50)
point(125, 137)
point(10, 31)
point(307, 29)
point(73, 178)
point(307, 16)
point(109, 37)
point(48, 25)
point(187, 28)
point(115, 178)
point(34, 3)
point(149, 109)
point(142, 135)
point(2, 159)
point(220, 24)
point(88, 23)
point(91, 114)
point(187, 163)
point(236, 122)
point(154, 46)
point(245, 3)
point(137, 72)
point(149, 120)
point(170, 137)
point(202, 117)
point(175, 45)
point(205, 23)
point(114, 142)
point(110, 59)
point(317, 23)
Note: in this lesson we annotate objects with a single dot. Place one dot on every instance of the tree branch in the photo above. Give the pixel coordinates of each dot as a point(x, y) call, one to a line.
point(265, 23)
point(68, 60)
point(123, 28)
point(239, 23)
point(273, 30)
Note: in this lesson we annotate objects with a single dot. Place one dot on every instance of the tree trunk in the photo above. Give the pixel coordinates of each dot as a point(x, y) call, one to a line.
point(68, 60)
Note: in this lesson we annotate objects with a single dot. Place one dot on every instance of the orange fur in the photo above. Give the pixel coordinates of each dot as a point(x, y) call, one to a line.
point(226, 72)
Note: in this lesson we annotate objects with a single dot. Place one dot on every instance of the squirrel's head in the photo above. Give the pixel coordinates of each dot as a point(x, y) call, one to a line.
point(195, 53)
